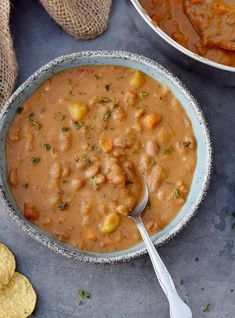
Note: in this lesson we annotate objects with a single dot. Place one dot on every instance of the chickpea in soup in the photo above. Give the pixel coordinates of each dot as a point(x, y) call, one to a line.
point(83, 140)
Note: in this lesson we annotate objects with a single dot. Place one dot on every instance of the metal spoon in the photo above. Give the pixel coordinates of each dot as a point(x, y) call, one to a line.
point(178, 309)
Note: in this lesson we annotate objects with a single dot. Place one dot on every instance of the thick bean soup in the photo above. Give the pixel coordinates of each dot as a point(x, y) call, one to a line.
point(78, 147)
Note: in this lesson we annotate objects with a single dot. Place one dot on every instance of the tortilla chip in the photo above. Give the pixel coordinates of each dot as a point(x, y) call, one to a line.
point(7, 265)
point(18, 298)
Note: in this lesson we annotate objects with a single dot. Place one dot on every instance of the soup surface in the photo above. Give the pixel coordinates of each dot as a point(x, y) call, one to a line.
point(78, 146)
point(206, 27)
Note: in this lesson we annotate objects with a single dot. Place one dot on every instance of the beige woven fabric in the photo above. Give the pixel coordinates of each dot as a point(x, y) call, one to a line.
point(8, 66)
point(83, 19)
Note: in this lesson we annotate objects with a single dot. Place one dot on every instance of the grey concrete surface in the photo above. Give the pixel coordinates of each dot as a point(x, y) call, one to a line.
point(203, 255)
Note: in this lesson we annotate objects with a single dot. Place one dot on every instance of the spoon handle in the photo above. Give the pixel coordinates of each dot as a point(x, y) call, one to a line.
point(178, 309)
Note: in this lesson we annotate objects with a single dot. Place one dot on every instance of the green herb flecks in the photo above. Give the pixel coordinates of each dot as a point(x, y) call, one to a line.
point(69, 81)
point(82, 294)
point(206, 307)
point(231, 213)
point(47, 147)
point(79, 124)
point(107, 87)
point(181, 282)
point(87, 159)
point(176, 194)
point(139, 106)
point(106, 115)
point(76, 159)
point(59, 116)
point(98, 77)
point(143, 95)
point(95, 185)
point(64, 129)
point(34, 123)
point(120, 77)
point(35, 160)
point(167, 150)
point(152, 162)
point(25, 185)
point(62, 205)
point(104, 100)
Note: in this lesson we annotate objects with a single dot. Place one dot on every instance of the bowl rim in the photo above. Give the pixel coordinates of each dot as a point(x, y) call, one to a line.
point(66, 249)
point(143, 13)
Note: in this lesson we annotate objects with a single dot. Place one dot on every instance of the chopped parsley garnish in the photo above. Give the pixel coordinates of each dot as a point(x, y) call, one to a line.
point(206, 307)
point(106, 115)
point(78, 124)
point(87, 159)
point(167, 150)
point(231, 213)
point(186, 143)
point(176, 194)
point(143, 95)
point(91, 147)
point(181, 282)
point(82, 294)
point(47, 147)
point(34, 123)
point(25, 185)
point(152, 162)
point(114, 103)
point(87, 295)
point(98, 77)
point(120, 77)
point(64, 129)
point(35, 160)
point(62, 205)
point(95, 185)
point(104, 100)
point(76, 159)
point(19, 110)
point(107, 87)
point(59, 117)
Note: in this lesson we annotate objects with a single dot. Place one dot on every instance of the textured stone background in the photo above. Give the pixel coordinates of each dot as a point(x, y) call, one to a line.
point(131, 290)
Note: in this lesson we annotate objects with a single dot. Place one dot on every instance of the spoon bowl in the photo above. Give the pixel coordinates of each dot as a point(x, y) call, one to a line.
point(178, 309)
point(139, 208)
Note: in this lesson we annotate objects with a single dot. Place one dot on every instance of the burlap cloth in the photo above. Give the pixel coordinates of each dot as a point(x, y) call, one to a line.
point(8, 66)
point(83, 19)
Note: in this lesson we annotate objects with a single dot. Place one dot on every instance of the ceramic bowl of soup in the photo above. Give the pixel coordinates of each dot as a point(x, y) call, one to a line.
point(197, 34)
point(76, 139)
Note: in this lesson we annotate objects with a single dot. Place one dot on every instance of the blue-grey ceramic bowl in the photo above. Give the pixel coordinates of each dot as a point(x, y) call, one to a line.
point(204, 150)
